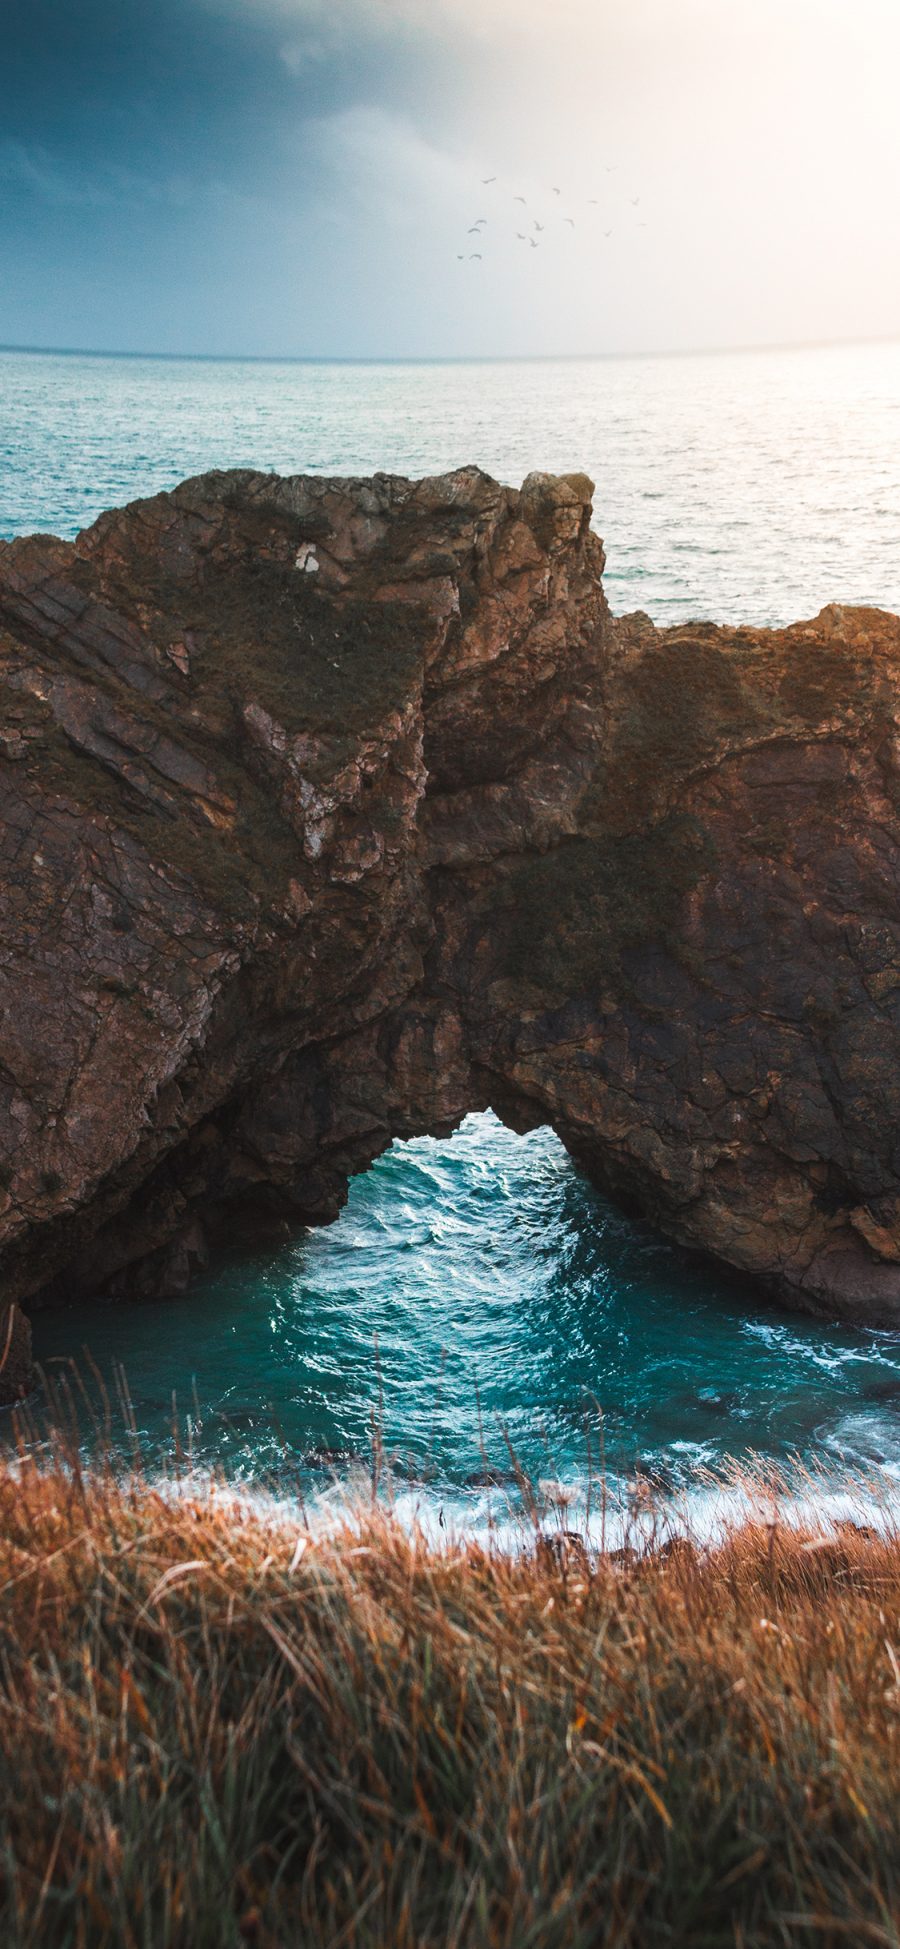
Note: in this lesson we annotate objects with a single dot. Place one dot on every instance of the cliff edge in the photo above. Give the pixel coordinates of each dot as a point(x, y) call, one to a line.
point(333, 810)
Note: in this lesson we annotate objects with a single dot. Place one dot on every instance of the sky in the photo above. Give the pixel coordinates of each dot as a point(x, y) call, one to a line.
point(298, 177)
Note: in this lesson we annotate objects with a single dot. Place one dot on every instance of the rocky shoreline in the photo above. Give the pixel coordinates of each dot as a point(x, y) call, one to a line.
point(334, 810)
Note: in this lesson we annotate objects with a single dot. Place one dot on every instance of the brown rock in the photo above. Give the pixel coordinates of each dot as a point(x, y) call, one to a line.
point(332, 810)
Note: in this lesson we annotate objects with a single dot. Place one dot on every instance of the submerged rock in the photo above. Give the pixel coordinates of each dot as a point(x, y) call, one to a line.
point(297, 862)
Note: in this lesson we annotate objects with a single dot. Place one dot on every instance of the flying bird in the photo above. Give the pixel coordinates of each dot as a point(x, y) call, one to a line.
point(570, 220)
point(607, 233)
point(612, 169)
point(518, 199)
point(473, 255)
point(634, 202)
point(593, 199)
point(488, 179)
point(473, 230)
point(538, 226)
point(534, 243)
point(557, 192)
point(521, 236)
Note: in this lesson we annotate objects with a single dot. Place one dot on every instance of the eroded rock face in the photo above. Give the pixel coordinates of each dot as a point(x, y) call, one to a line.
point(332, 810)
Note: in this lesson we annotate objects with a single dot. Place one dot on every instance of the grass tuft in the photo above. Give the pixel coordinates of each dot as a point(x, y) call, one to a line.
point(219, 1727)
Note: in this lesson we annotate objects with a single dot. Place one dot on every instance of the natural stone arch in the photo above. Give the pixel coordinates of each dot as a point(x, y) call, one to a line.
point(296, 862)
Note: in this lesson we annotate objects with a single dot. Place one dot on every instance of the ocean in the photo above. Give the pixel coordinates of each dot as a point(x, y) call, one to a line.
point(478, 1307)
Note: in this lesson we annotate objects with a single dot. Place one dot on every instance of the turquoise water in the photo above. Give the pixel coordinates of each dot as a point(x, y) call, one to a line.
point(477, 1297)
point(486, 1303)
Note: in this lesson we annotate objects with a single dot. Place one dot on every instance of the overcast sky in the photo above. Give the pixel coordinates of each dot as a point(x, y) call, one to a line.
point(298, 176)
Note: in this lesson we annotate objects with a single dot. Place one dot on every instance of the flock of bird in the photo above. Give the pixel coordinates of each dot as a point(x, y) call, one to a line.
point(532, 236)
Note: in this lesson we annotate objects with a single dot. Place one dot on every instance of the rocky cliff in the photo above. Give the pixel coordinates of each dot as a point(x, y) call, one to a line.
point(332, 810)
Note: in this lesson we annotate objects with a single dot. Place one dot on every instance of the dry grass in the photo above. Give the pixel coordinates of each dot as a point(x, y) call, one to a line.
point(215, 1730)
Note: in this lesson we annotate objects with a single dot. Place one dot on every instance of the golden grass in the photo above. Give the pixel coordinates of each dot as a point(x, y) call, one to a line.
point(217, 1729)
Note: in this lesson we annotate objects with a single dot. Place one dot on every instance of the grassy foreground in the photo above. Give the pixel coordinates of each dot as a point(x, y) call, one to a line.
point(214, 1730)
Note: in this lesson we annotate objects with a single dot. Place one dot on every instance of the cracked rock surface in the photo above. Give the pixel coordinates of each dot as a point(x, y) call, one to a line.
point(333, 810)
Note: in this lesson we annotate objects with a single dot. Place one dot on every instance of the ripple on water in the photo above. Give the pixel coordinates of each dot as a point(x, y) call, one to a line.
point(475, 1348)
point(738, 487)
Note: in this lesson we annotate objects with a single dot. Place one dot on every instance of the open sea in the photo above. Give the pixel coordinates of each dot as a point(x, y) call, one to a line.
point(478, 1303)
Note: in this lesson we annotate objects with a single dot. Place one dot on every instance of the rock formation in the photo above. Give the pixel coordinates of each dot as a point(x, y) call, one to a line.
point(332, 810)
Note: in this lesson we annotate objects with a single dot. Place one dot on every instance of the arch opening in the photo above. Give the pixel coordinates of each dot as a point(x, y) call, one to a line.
point(479, 1308)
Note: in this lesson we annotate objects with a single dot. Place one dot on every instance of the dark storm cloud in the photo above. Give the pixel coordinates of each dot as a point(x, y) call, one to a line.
point(117, 96)
point(143, 143)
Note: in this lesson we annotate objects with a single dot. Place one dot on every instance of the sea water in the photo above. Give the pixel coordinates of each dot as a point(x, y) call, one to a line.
point(478, 1310)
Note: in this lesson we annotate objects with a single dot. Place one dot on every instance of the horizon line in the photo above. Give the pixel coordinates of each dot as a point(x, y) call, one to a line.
point(447, 358)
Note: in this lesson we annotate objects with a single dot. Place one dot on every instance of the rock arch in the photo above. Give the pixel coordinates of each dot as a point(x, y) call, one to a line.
point(295, 863)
